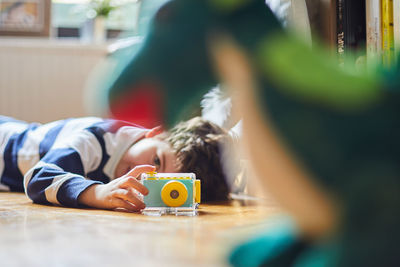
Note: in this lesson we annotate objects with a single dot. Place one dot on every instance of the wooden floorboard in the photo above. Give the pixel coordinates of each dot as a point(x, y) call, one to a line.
point(37, 235)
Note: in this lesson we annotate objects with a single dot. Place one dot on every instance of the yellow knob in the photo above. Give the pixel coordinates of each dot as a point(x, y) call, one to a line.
point(197, 196)
point(151, 173)
point(174, 194)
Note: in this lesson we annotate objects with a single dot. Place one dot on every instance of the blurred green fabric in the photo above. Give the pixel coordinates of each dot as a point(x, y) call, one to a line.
point(340, 123)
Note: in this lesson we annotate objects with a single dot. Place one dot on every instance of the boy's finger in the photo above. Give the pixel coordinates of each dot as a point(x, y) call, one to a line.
point(129, 195)
point(120, 203)
point(130, 182)
point(141, 169)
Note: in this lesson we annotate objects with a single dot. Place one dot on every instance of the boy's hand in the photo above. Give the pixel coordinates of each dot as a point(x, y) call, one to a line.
point(119, 193)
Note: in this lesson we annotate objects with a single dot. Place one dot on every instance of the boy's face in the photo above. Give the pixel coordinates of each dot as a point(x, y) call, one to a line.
point(148, 151)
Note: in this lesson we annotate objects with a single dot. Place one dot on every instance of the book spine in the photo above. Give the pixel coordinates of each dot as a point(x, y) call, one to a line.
point(373, 28)
point(351, 30)
point(396, 26)
point(355, 36)
point(332, 23)
point(387, 33)
point(340, 34)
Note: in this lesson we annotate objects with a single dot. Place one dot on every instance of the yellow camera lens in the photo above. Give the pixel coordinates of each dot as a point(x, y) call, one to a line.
point(174, 194)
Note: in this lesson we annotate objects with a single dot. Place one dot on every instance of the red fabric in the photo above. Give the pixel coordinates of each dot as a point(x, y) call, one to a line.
point(141, 105)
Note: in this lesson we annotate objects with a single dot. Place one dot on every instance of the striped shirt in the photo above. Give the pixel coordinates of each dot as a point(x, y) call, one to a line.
point(55, 162)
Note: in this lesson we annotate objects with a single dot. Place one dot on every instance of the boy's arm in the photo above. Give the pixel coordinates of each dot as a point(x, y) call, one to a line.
point(59, 177)
point(47, 183)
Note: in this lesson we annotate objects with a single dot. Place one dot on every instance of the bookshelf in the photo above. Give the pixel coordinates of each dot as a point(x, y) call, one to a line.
point(359, 28)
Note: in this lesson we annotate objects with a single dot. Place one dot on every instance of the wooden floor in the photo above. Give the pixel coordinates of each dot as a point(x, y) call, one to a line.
point(35, 235)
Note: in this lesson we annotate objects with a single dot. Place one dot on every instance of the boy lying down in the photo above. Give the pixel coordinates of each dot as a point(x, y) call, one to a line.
point(94, 162)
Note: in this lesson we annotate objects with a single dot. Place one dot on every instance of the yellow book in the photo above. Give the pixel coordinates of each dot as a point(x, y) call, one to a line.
point(388, 55)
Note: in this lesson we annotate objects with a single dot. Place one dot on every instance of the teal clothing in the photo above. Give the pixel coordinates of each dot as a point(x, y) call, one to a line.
point(278, 246)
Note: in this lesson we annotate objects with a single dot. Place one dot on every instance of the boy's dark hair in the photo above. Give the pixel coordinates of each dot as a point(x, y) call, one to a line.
point(197, 144)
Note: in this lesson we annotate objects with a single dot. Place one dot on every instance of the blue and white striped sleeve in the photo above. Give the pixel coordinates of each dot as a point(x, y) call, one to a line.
point(59, 177)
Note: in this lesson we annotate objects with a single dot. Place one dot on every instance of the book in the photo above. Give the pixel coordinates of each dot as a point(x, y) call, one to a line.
point(388, 56)
point(326, 23)
point(396, 26)
point(373, 29)
point(340, 20)
point(351, 29)
point(332, 22)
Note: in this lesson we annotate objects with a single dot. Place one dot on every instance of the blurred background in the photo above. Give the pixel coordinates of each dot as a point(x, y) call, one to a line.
point(49, 48)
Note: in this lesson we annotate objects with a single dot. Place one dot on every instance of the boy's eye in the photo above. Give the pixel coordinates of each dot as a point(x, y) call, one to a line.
point(157, 161)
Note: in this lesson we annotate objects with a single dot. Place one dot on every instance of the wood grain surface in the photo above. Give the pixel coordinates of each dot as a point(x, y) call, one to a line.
point(37, 235)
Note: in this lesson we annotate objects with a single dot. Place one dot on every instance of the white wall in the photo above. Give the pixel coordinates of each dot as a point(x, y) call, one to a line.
point(43, 80)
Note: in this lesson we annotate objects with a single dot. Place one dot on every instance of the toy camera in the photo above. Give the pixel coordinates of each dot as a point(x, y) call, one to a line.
point(171, 193)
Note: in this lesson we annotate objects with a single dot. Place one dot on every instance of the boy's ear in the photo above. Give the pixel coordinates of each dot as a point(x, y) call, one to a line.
point(155, 131)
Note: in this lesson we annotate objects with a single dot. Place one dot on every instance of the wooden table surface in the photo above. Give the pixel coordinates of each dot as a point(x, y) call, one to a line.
point(36, 235)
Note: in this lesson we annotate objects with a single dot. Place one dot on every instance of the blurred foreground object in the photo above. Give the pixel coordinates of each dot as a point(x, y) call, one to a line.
point(172, 79)
point(322, 139)
point(291, 14)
